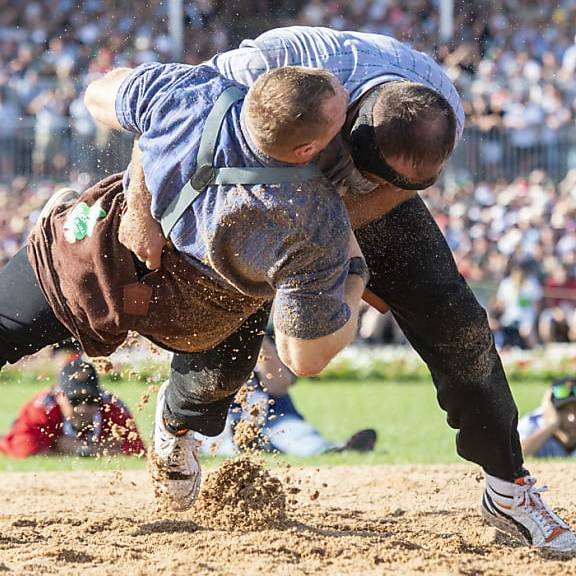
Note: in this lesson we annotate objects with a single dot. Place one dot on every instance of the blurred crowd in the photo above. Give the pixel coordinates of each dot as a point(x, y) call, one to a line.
point(513, 62)
point(515, 242)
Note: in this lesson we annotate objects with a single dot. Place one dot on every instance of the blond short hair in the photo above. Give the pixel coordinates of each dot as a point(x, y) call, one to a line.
point(284, 106)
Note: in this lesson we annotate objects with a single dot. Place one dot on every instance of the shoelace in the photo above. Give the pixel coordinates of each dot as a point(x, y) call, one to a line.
point(178, 460)
point(527, 496)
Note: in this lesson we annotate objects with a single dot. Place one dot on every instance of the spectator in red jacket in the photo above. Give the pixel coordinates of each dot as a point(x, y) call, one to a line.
point(75, 417)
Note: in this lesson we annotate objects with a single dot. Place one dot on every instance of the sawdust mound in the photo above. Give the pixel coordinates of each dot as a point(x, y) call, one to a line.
point(241, 495)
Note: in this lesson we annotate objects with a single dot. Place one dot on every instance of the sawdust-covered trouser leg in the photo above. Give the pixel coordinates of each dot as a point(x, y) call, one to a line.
point(27, 323)
point(195, 400)
point(413, 271)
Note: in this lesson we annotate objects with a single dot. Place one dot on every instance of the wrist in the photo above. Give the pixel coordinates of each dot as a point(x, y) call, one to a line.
point(357, 266)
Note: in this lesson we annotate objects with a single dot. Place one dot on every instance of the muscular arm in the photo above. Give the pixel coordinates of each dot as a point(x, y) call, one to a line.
point(275, 377)
point(100, 97)
point(138, 230)
point(310, 357)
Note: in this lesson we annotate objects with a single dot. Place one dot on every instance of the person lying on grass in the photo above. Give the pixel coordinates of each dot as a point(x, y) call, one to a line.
point(75, 416)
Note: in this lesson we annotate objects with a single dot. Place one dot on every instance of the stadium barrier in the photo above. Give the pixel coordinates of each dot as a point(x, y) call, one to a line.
point(39, 150)
point(506, 154)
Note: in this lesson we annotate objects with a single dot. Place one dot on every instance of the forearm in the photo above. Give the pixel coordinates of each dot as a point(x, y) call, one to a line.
point(138, 196)
point(533, 443)
point(139, 231)
point(100, 97)
point(274, 375)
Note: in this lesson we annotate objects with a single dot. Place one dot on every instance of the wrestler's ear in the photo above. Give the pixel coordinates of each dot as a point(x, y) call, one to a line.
point(305, 152)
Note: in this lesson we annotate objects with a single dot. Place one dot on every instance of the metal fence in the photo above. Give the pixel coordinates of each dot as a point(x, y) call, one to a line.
point(38, 152)
point(506, 154)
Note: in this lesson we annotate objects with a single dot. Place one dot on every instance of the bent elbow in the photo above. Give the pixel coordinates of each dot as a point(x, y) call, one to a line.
point(307, 368)
point(306, 358)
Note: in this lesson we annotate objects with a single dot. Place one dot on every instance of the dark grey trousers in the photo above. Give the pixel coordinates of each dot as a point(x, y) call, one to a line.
point(413, 271)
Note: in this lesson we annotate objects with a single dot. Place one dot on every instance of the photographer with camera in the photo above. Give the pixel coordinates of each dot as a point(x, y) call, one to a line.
point(550, 430)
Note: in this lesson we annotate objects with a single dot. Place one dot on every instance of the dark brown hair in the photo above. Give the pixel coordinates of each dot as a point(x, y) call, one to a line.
point(413, 121)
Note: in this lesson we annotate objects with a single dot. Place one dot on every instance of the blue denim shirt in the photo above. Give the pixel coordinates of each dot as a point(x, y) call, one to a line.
point(359, 60)
point(286, 242)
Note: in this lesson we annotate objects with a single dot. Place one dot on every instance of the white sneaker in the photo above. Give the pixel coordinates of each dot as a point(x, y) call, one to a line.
point(173, 463)
point(61, 196)
point(518, 509)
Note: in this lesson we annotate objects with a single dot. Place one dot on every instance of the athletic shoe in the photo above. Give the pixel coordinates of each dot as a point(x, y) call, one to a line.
point(173, 463)
point(361, 441)
point(61, 196)
point(518, 509)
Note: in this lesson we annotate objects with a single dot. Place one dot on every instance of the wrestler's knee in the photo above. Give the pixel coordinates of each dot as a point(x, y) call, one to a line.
point(205, 382)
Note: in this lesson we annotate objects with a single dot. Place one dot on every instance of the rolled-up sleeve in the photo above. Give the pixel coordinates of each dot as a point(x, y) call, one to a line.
point(311, 281)
point(311, 306)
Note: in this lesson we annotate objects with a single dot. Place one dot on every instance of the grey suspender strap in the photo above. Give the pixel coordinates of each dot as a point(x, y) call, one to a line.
point(206, 174)
point(204, 171)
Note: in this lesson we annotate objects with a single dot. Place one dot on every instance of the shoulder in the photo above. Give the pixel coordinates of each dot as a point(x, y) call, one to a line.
point(328, 38)
point(310, 204)
point(41, 410)
point(318, 227)
point(296, 35)
point(150, 82)
point(172, 71)
point(286, 221)
point(297, 201)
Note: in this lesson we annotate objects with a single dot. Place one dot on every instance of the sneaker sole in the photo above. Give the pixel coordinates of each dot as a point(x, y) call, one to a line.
point(505, 526)
point(510, 528)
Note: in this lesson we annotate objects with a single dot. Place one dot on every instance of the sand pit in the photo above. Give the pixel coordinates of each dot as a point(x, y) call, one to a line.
point(360, 520)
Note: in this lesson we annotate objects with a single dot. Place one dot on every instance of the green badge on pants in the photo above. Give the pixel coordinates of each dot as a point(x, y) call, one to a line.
point(81, 221)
